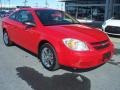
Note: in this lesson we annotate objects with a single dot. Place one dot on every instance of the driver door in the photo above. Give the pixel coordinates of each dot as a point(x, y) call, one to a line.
point(26, 35)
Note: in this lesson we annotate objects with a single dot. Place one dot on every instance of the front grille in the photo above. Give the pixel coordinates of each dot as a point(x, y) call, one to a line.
point(101, 45)
point(113, 29)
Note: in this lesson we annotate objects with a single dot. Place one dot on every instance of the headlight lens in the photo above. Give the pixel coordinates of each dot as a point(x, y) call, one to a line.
point(75, 44)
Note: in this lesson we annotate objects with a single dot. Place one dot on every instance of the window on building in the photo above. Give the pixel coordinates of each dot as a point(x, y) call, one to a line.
point(116, 13)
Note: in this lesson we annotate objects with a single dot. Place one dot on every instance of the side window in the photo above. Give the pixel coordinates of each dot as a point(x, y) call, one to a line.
point(13, 16)
point(24, 16)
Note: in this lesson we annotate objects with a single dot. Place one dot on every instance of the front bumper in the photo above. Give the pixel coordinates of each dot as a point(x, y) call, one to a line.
point(84, 60)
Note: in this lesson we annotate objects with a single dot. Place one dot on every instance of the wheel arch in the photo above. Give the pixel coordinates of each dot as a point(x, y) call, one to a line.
point(55, 47)
point(4, 29)
point(43, 42)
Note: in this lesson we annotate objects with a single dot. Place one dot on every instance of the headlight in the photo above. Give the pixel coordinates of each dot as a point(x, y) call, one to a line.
point(75, 44)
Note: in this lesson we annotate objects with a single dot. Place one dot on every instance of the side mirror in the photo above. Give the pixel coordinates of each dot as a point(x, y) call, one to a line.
point(30, 24)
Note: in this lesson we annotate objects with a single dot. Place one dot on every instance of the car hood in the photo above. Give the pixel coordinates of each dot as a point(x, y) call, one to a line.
point(80, 32)
point(113, 22)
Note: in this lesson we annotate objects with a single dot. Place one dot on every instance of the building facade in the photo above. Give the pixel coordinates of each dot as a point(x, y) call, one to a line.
point(96, 10)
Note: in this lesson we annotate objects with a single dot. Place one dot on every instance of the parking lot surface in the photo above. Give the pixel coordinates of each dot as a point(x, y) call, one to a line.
point(20, 70)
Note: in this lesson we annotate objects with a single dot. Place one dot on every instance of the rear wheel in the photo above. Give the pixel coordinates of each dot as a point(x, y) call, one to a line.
point(48, 57)
point(6, 39)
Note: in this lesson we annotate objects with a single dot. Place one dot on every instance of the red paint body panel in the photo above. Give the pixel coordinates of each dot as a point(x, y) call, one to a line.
point(88, 59)
point(30, 39)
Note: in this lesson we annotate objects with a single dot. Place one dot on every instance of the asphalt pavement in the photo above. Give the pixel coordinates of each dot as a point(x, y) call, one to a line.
point(21, 70)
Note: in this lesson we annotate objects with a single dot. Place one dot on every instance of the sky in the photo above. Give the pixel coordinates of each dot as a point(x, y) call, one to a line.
point(35, 3)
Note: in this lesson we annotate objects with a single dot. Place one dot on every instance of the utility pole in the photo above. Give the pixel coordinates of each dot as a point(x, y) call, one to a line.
point(46, 3)
point(9, 4)
point(25, 2)
point(61, 6)
point(36, 5)
point(57, 6)
point(0, 4)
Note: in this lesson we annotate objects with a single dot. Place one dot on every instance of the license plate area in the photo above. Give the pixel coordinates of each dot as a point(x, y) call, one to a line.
point(106, 56)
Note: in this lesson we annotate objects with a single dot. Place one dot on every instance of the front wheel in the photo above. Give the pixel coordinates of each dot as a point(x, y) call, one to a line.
point(48, 57)
point(6, 39)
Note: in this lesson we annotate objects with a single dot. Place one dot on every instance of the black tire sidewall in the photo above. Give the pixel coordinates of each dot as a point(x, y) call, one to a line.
point(53, 67)
point(9, 41)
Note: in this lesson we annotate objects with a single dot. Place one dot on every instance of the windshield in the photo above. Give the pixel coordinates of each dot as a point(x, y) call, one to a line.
point(55, 17)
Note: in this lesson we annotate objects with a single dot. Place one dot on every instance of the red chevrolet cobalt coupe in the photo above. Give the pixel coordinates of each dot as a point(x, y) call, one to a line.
point(57, 38)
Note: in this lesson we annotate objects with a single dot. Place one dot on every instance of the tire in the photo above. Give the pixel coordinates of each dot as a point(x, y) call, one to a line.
point(6, 39)
point(48, 57)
